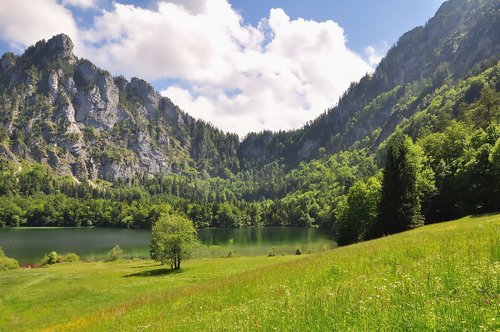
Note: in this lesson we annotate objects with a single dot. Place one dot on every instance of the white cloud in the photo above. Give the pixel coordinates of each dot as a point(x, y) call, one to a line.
point(242, 78)
point(24, 22)
point(79, 3)
point(374, 56)
point(193, 6)
point(171, 41)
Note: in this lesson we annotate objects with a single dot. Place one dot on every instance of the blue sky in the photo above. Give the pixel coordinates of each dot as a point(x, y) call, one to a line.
point(242, 65)
point(366, 22)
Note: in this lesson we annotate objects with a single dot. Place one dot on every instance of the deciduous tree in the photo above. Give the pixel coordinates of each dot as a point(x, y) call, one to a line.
point(173, 239)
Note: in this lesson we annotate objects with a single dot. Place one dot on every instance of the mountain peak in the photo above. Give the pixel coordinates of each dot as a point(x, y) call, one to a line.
point(59, 46)
point(60, 43)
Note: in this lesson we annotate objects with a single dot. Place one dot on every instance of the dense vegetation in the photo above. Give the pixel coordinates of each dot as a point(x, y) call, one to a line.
point(453, 148)
point(415, 142)
point(437, 277)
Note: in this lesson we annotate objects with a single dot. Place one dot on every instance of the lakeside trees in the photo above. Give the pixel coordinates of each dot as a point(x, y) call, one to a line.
point(400, 207)
point(456, 172)
point(173, 240)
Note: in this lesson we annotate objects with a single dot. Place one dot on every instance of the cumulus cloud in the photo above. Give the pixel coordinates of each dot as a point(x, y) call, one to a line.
point(373, 55)
point(241, 78)
point(276, 75)
point(79, 3)
point(24, 22)
point(171, 41)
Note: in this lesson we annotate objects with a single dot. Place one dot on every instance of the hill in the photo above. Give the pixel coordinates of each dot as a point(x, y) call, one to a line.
point(64, 111)
point(438, 277)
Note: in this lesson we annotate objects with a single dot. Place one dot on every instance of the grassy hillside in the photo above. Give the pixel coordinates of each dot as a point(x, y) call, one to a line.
point(438, 277)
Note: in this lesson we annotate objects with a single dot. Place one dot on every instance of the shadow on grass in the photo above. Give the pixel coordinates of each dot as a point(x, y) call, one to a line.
point(487, 214)
point(154, 273)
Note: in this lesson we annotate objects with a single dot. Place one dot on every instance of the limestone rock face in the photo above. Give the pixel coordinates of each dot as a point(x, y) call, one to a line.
point(61, 47)
point(81, 121)
point(96, 98)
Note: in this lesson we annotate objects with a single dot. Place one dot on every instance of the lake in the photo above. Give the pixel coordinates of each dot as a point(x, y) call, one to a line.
point(28, 245)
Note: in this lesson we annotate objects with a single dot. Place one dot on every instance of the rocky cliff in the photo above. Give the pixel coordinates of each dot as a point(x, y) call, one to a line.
point(62, 110)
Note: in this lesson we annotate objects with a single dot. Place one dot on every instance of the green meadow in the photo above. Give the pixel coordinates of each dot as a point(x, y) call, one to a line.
point(438, 277)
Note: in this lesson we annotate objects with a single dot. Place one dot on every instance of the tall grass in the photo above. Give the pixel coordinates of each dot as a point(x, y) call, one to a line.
point(442, 277)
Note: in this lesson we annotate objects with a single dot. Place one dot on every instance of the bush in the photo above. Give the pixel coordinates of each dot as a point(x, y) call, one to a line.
point(7, 263)
point(115, 253)
point(51, 258)
point(70, 258)
point(54, 257)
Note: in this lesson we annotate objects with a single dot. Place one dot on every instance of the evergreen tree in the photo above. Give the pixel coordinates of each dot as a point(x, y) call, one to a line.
point(399, 208)
point(358, 212)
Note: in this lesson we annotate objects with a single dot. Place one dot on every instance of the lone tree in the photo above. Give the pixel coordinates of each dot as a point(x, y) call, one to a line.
point(173, 239)
point(399, 208)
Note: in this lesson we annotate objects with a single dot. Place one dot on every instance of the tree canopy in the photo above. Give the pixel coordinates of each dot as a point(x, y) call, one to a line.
point(400, 198)
point(173, 239)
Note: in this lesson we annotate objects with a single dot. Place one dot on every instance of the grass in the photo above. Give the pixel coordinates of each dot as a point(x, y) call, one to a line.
point(438, 277)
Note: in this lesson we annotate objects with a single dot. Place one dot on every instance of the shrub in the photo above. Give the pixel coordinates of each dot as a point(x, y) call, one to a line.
point(51, 258)
point(70, 258)
point(54, 257)
point(115, 253)
point(7, 263)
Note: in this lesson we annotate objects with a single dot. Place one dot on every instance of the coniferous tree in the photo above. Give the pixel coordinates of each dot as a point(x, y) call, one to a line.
point(399, 208)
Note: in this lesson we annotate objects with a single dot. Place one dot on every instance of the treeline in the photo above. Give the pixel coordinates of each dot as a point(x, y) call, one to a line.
point(446, 174)
point(457, 172)
point(448, 168)
point(61, 210)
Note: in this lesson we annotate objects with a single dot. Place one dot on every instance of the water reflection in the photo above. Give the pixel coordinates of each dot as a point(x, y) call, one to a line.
point(28, 245)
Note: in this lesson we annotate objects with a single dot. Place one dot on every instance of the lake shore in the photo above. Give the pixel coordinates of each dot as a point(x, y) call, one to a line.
point(28, 245)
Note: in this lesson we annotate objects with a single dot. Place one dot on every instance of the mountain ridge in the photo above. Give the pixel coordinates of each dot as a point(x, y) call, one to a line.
point(85, 103)
point(67, 112)
point(413, 60)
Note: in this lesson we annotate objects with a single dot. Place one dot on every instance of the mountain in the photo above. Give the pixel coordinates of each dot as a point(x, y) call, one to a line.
point(59, 109)
point(463, 34)
point(65, 111)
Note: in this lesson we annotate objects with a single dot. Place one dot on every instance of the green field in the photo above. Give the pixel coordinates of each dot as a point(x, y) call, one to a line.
point(438, 277)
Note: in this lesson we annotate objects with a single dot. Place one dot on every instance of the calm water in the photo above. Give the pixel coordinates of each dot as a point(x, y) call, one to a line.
point(28, 245)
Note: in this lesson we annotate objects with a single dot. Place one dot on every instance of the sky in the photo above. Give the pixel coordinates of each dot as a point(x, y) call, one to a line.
point(243, 65)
